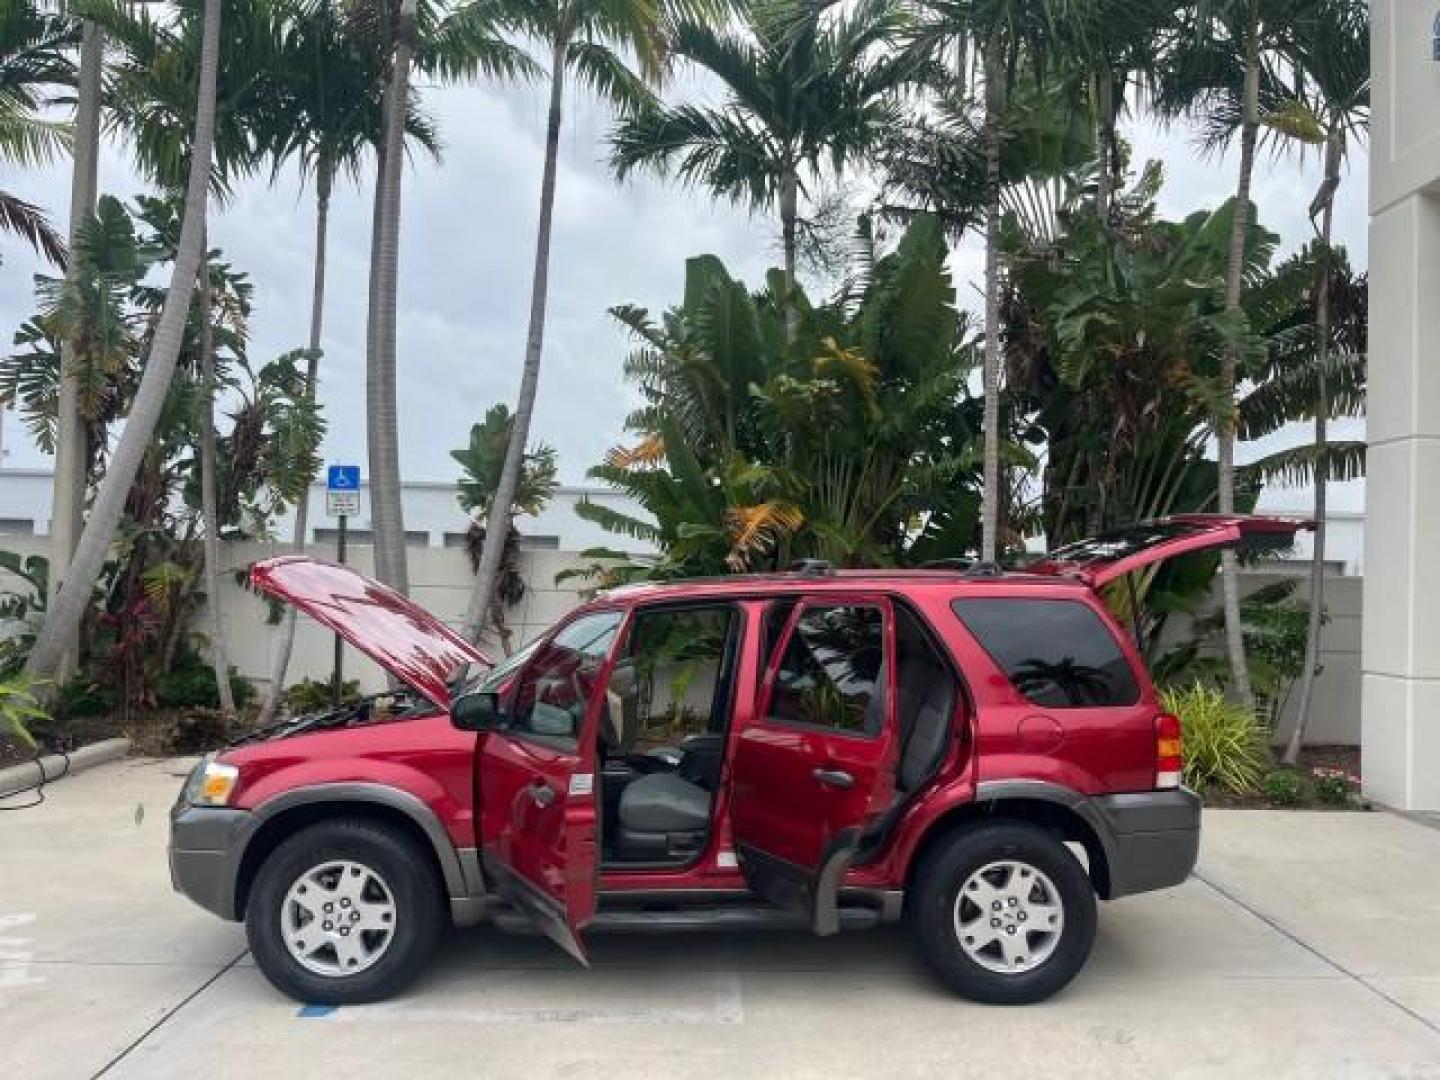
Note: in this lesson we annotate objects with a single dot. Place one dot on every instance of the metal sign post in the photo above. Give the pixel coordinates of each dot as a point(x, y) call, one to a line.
point(342, 499)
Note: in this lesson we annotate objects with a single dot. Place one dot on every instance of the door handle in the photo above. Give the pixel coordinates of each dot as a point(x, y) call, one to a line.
point(542, 793)
point(836, 778)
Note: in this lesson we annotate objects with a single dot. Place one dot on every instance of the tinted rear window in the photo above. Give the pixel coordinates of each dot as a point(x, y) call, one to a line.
point(1058, 653)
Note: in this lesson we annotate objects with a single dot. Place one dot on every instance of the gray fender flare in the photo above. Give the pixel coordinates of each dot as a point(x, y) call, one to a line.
point(1081, 805)
point(460, 867)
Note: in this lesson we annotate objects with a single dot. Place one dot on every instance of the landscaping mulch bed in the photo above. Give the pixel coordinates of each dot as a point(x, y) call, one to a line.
point(153, 733)
point(1343, 759)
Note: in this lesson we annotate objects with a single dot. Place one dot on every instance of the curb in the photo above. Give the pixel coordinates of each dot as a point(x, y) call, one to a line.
point(52, 766)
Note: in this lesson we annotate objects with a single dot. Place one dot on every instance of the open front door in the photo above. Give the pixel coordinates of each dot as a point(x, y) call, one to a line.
point(538, 821)
point(1102, 559)
point(816, 764)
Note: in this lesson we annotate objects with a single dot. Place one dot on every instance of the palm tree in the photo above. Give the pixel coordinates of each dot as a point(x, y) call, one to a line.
point(68, 490)
point(151, 87)
point(331, 97)
point(1123, 42)
point(459, 43)
point(386, 514)
point(996, 40)
point(582, 38)
point(1332, 55)
point(1223, 55)
point(34, 61)
point(804, 89)
point(74, 593)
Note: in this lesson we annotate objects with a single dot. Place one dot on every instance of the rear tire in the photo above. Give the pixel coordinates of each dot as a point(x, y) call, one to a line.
point(364, 880)
point(1003, 912)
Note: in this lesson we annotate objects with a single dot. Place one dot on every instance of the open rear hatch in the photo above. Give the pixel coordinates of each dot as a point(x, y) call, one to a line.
point(391, 629)
point(1102, 559)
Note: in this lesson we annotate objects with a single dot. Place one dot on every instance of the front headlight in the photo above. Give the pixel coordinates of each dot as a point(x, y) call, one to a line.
point(211, 783)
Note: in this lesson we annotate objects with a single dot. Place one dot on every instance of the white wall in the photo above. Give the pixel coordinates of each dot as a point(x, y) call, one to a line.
point(429, 507)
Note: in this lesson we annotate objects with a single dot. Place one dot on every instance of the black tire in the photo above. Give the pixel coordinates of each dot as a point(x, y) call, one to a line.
point(408, 871)
point(934, 896)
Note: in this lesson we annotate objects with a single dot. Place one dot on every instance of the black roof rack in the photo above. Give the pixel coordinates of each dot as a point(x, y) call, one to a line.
point(984, 569)
point(812, 568)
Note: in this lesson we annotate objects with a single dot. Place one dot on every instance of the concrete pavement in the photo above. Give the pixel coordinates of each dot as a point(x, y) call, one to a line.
point(1307, 946)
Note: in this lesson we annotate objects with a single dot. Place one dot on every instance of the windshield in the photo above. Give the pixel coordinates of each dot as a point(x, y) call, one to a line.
point(491, 681)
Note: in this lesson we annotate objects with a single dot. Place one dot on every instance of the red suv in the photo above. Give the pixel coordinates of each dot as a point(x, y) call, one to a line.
point(978, 752)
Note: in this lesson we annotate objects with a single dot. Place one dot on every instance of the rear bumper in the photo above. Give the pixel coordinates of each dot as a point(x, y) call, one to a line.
point(206, 845)
point(1151, 838)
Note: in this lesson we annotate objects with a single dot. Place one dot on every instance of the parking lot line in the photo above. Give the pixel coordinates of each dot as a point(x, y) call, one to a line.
point(165, 1017)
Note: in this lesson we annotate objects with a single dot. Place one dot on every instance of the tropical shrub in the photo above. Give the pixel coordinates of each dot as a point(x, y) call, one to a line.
point(1333, 786)
point(847, 434)
point(481, 462)
point(134, 633)
point(19, 709)
point(315, 695)
point(190, 683)
point(1284, 787)
point(1224, 746)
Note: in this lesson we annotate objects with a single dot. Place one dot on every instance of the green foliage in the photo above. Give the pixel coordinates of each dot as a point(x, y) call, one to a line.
point(84, 697)
point(106, 311)
point(852, 440)
point(1333, 787)
point(1274, 623)
point(1223, 745)
point(803, 92)
point(19, 708)
point(190, 683)
point(482, 461)
point(1285, 787)
point(316, 695)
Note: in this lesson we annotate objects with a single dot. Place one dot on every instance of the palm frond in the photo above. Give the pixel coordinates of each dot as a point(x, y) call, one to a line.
point(1298, 466)
point(29, 222)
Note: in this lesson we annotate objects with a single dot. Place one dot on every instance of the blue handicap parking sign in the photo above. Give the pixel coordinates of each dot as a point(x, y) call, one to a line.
point(343, 478)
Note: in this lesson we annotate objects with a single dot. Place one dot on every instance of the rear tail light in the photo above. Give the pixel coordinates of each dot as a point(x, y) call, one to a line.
point(1169, 757)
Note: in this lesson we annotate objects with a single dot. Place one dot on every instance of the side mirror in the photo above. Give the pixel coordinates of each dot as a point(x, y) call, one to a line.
point(476, 712)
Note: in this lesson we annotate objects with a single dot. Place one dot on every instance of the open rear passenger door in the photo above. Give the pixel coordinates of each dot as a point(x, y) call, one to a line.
point(1105, 558)
point(815, 767)
point(537, 819)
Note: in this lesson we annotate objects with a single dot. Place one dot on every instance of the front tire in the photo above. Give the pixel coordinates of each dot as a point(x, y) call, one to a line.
point(344, 912)
point(1004, 913)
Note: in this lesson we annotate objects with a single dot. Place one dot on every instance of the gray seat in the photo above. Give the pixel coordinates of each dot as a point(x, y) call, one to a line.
point(664, 803)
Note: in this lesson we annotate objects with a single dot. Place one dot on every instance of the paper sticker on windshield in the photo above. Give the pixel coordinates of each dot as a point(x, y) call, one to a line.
point(582, 784)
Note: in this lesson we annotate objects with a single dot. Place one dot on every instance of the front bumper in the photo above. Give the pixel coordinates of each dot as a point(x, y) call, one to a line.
point(206, 845)
point(1151, 838)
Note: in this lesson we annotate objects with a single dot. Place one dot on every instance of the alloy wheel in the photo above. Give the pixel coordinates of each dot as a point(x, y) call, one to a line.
point(338, 918)
point(1009, 917)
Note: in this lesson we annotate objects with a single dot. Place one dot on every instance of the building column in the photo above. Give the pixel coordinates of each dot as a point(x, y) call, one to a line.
point(1400, 639)
point(1400, 695)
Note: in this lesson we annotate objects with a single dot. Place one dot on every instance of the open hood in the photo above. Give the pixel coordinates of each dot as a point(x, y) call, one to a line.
point(1101, 559)
point(400, 636)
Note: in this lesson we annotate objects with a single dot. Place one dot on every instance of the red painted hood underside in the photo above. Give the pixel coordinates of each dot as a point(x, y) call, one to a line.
point(395, 632)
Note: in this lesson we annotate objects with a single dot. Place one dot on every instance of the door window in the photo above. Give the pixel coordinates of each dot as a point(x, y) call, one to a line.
point(1058, 653)
point(832, 672)
point(555, 688)
point(673, 679)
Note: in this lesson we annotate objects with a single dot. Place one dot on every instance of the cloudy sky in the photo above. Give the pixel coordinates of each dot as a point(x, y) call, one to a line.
point(466, 253)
